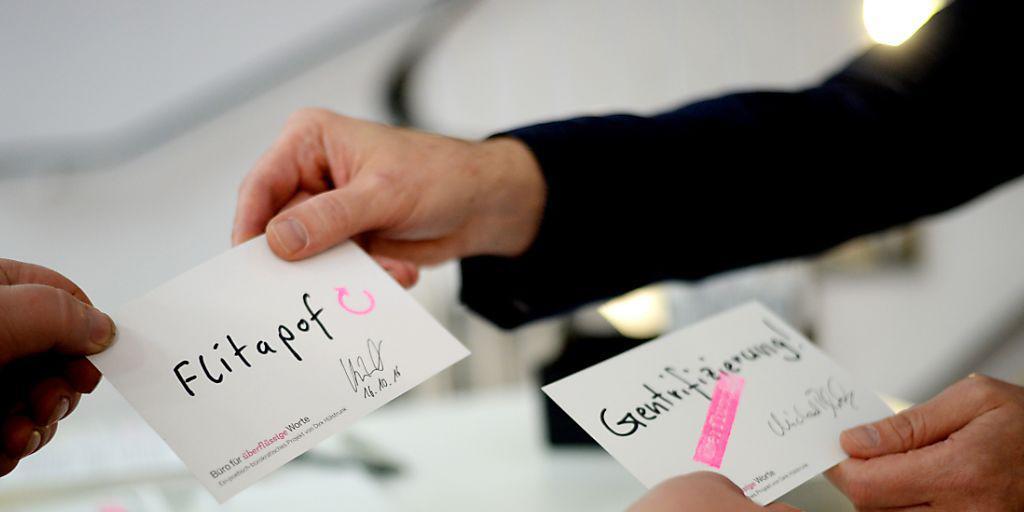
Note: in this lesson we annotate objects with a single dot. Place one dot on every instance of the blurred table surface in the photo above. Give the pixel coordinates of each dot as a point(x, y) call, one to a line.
point(480, 451)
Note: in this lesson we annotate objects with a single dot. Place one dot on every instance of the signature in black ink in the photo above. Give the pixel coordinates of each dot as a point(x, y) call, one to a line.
point(830, 398)
point(359, 370)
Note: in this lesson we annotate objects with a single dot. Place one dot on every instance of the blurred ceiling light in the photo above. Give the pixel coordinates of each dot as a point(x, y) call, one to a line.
point(893, 21)
point(642, 313)
point(896, 404)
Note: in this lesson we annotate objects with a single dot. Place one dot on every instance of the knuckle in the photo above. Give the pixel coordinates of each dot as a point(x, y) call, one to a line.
point(73, 291)
point(8, 271)
point(307, 115)
point(334, 210)
point(391, 195)
point(301, 126)
point(300, 116)
point(58, 306)
point(37, 305)
point(66, 312)
point(909, 427)
point(37, 297)
point(981, 377)
point(385, 181)
point(984, 389)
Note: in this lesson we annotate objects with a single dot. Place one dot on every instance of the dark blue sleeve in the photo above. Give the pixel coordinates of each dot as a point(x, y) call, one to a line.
point(900, 133)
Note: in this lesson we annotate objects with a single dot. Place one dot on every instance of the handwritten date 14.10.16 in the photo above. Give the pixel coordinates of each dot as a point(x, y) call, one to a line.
point(368, 375)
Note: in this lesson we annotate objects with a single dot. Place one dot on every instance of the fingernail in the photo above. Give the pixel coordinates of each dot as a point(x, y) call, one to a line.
point(33, 443)
point(866, 436)
point(291, 234)
point(101, 328)
point(60, 411)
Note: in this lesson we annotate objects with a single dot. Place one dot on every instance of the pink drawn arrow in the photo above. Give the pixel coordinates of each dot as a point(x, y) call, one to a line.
point(343, 292)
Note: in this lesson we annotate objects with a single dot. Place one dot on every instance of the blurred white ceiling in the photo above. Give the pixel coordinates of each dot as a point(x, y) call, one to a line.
point(86, 82)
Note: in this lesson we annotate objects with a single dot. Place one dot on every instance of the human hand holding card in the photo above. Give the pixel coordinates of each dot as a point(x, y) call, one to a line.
point(246, 361)
point(741, 394)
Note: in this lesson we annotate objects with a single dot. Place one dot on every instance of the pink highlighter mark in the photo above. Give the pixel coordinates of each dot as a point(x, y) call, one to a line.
point(343, 292)
point(718, 424)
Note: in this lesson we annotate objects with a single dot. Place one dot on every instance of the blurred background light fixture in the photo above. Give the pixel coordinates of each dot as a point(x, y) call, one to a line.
point(893, 21)
point(640, 314)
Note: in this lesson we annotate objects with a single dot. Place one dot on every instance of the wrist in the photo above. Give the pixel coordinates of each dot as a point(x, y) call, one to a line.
point(515, 191)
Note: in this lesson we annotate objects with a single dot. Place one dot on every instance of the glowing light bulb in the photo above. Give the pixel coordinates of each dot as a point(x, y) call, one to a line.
point(893, 21)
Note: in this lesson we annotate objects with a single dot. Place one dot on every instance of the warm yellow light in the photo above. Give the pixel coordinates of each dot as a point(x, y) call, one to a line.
point(643, 313)
point(893, 21)
point(896, 404)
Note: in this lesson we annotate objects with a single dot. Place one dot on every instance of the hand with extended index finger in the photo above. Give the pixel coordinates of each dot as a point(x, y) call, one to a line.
point(47, 325)
point(962, 450)
point(409, 198)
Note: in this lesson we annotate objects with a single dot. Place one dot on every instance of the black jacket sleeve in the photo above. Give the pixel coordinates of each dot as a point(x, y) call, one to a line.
point(900, 133)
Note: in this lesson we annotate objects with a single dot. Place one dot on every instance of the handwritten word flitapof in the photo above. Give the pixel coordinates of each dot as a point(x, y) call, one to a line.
point(285, 336)
point(343, 292)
